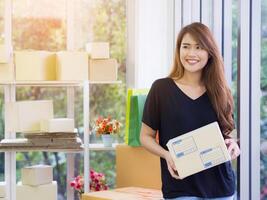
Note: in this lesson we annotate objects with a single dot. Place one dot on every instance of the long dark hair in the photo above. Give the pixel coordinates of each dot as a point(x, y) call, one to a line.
point(212, 74)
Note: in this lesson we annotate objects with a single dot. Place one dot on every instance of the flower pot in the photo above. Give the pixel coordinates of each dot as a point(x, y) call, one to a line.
point(80, 196)
point(107, 140)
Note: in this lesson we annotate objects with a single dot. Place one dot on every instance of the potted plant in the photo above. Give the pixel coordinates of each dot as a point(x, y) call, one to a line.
point(97, 182)
point(106, 127)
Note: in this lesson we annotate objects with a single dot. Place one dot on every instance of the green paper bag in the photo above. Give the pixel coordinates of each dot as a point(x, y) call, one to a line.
point(136, 114)
point(130, 93)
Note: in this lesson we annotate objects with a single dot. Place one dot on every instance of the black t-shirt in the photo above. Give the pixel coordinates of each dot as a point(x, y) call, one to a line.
point(173, 113)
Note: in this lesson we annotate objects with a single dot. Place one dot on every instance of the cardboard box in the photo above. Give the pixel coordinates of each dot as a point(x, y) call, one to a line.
point(142, 170)
point(57, 125)
point(98, 50)
point(7, 71)
point(35, 65)
point(37, 175)
point(127, 193)
point(4, 54)
point(2, 189)
point(103, 70)
point(198, 150)
point(25, 116)
point(72, 66)
point(42, 192)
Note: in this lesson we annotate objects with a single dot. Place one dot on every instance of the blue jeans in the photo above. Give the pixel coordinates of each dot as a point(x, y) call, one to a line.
point(198, 198)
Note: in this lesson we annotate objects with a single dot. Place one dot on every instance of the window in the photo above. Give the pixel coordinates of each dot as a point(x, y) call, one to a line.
point(53, 29)
point(263, 157)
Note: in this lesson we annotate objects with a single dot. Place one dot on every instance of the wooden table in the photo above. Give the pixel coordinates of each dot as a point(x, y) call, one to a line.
point(126, 193)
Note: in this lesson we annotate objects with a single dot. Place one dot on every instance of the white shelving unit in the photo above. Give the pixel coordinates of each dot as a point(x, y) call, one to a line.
point(10, 155)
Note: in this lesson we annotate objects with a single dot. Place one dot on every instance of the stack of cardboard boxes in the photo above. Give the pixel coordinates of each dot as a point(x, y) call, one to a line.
point(35, 120)
point(101, 66)
point(59, 66)
point(37, 183)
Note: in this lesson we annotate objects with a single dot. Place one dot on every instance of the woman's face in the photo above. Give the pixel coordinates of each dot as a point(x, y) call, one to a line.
point(193, 57)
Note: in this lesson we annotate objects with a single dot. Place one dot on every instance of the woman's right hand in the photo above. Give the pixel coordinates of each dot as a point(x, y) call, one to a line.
point(171, 165)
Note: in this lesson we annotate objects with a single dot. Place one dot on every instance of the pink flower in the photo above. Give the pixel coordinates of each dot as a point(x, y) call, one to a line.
point(78, 187)
point(72, 184)
point(97, 182)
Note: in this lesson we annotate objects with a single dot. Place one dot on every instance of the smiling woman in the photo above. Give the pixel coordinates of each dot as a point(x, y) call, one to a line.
point(199, 97)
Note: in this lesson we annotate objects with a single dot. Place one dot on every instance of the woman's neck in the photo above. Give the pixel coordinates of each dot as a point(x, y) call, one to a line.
point(192, 79)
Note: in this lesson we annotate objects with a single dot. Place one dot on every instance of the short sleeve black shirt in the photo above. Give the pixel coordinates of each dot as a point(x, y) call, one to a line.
point(173, 113)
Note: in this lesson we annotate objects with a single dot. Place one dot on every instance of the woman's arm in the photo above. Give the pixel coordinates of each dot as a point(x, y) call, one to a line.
point(148, 140)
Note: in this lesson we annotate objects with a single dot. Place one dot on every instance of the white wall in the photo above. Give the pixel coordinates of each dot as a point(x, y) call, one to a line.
point(150, 41)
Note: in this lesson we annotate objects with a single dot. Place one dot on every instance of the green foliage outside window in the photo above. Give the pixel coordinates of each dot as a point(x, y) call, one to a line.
point(50, 34)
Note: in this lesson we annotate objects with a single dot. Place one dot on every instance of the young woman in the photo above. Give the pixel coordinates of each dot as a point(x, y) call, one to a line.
point(193, 95)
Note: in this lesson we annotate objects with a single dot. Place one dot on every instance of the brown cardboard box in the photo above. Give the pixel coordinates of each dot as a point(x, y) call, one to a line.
point(72, 66)
point(37, 175)
point(25, 116)
point(41, 192)
point(103, 70)
point(142, 170)
point(127, 193)
point(198, 150)
point(35, 65)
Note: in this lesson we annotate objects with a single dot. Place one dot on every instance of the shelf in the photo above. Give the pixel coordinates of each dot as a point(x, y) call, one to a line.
point(105, 82)
point(55, 83)
point(94, 147)
point(100, 147)
point(27, 149)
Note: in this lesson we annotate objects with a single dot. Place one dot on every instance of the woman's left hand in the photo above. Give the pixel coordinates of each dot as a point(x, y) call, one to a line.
point(232, 148)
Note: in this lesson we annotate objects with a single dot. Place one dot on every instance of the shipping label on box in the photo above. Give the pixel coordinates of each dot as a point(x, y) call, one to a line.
point(35, 65)
point(2, 189)
point(103, 70)
point(198, 150)
point(37, 175)
point(25, 116)
point(98, 50)
point(72, 66)
point(57, 125)
point(41, 192)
